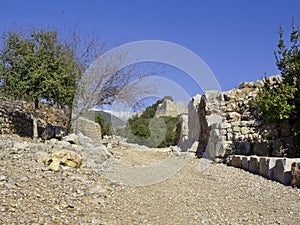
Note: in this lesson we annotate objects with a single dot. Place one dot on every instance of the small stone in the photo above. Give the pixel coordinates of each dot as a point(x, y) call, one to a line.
point(54, 165)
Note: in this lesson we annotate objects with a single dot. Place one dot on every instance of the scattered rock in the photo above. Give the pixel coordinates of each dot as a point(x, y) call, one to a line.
point(67, 158)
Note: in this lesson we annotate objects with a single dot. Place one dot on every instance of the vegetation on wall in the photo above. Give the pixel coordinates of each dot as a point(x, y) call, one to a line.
point(281, 101)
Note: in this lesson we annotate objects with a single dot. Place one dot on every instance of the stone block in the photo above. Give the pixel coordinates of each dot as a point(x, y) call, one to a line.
point(236, 129)
point(266, 167)
point(233, 116)
point(236, 161)
point(245, 130)
point(245, 162)
point(225, 125)
point(223, 132)
point(254, 164)
point(282, 170)
point(295, 170)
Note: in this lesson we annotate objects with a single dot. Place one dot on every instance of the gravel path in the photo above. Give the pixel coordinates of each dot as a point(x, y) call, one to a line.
point(214, 194)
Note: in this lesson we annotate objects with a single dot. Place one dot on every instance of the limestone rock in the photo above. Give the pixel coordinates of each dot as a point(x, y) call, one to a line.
point(55, 165)
point(295, 170)
point(42, 156)
point(72, 139)
point(88, 128)
point(67, 158)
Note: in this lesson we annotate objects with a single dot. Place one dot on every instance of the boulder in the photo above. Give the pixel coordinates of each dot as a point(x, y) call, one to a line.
point(72, 139)
point(66, 158)
point(88, 128)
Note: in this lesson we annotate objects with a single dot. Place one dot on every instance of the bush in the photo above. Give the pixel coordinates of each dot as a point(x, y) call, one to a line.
point(105, 127)
point(163, 129)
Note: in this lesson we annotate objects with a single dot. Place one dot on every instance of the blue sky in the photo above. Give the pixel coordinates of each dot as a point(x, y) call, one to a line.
point(236, 38)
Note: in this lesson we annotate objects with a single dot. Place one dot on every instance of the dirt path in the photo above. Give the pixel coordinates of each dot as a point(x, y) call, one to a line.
point(214, 194)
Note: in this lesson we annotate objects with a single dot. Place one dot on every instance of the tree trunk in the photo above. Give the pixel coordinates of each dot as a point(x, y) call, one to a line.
point(35, 120)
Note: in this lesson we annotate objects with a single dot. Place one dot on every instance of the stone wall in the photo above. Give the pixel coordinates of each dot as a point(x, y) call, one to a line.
point(222, 123)
point(15, 117)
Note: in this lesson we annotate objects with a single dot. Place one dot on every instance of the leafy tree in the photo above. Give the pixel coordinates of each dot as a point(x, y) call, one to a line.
point(282, 101)
point(162, 132)
point(105, 127)
point(35, 66)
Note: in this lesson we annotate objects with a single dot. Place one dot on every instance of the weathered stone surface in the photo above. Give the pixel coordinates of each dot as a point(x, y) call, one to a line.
point(53, 132)
point(282, 170)
point(183, 133)
point(54, 165)
point(254, 164)
point(170, 108)
point(266, 167)
point(233, 116)
point(295, 171)
point(72, 139)
point(43, 157)
point(236, 161)
point(88, 128)
point(245, 162)
point(67, 158)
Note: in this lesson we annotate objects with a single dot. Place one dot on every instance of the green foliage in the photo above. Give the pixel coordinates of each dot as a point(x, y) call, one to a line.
point(36, 66)
point(276, 102)
point(162, 132)
point(150, 111)
point(282, 101)
point(105, 127)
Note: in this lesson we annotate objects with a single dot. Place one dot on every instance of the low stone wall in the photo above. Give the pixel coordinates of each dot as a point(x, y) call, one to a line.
point(15, 117)
point(283, 170)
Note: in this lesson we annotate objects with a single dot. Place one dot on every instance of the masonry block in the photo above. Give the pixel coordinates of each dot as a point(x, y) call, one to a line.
point(236, 161)
point(254, 164)
point(245, 162)
point(282, 170)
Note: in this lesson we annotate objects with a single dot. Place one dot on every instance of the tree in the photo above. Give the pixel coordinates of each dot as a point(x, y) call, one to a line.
point(35, 66)
point(105, 127)
point(150, 130)
point(282, 101)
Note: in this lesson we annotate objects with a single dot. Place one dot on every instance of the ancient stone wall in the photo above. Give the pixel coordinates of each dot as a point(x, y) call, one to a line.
point(222, 123)
point(15, 117)
point(170, 108)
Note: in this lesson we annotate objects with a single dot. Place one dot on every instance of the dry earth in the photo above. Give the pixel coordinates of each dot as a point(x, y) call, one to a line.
point(215, 194)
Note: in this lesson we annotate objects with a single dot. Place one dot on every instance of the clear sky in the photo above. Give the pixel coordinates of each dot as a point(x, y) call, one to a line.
point(236, 38)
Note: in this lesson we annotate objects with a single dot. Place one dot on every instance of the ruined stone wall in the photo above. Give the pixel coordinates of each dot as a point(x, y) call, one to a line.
point(15, 117)
point(222, 123)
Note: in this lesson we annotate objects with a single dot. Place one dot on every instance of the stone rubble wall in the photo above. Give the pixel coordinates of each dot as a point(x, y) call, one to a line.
point(15, 117)
point(224, 123)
